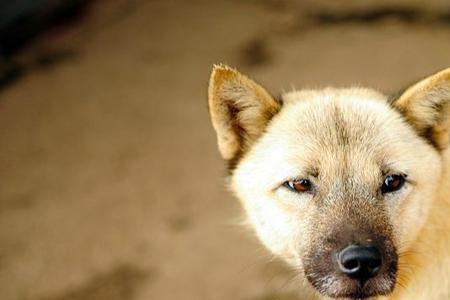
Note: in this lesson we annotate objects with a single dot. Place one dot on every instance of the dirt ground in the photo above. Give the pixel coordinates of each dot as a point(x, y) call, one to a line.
point(111, 186)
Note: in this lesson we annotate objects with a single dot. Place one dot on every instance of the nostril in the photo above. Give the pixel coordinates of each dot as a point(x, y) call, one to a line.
point(350, 265)
point(360, 262)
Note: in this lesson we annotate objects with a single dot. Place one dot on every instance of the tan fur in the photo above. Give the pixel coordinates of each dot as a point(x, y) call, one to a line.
point(344, 140)
point(239, 108)
point(423, 104)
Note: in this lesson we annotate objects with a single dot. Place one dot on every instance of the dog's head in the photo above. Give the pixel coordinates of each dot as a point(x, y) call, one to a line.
point(339, 182)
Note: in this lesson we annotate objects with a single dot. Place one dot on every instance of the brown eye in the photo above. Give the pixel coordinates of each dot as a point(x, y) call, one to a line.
point(392, 183)
point(299, 186)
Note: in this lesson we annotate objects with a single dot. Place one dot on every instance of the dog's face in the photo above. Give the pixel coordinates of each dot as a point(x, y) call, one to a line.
point(320, 179)
point(338, 182)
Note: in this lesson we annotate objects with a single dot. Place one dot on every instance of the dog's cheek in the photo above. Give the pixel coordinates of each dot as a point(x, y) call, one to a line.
point(409, 210)
point(409, 214)
point(277, 229)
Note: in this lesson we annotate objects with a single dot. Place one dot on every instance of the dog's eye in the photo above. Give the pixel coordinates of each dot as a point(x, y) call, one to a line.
point(299, 186)
point(392, 183)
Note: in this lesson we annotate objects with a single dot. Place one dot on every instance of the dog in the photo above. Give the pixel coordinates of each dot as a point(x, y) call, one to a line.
point(347, 185)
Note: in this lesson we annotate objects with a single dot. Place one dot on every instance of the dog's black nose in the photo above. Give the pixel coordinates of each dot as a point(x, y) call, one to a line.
point(360, 262)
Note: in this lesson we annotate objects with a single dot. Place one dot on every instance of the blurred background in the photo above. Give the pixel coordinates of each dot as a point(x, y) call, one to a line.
point(111, 186)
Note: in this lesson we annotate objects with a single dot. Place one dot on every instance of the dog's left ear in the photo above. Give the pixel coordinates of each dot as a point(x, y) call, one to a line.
point(426, 106)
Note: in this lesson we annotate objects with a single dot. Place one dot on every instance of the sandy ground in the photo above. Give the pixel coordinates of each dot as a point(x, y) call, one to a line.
point(111, 186)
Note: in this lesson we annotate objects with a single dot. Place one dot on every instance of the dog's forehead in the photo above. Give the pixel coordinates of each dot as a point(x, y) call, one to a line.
point(337, 117)
point(333, 125)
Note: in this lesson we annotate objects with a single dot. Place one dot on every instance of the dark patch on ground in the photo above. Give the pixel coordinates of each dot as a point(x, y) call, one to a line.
point(182, 220)
point(180, 223)
point(377, 15)
point(30, 23)
point(407, 15)
point(120, 283)
point(50, 59)
point(309, 18)
point(18, 202)
point(255, 52)
point(11, 71)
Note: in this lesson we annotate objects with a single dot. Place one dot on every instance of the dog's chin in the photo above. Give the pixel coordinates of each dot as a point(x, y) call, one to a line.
point(343, 288)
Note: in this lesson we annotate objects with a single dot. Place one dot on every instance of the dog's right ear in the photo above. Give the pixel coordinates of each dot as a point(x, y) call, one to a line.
point(240, 110)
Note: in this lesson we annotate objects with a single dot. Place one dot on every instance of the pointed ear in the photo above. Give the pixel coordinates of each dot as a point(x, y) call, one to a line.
point(426, 106)
point(240, 110)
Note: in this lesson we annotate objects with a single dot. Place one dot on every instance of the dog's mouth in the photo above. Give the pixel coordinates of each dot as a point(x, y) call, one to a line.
point(352, 272)
point(342, 288)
